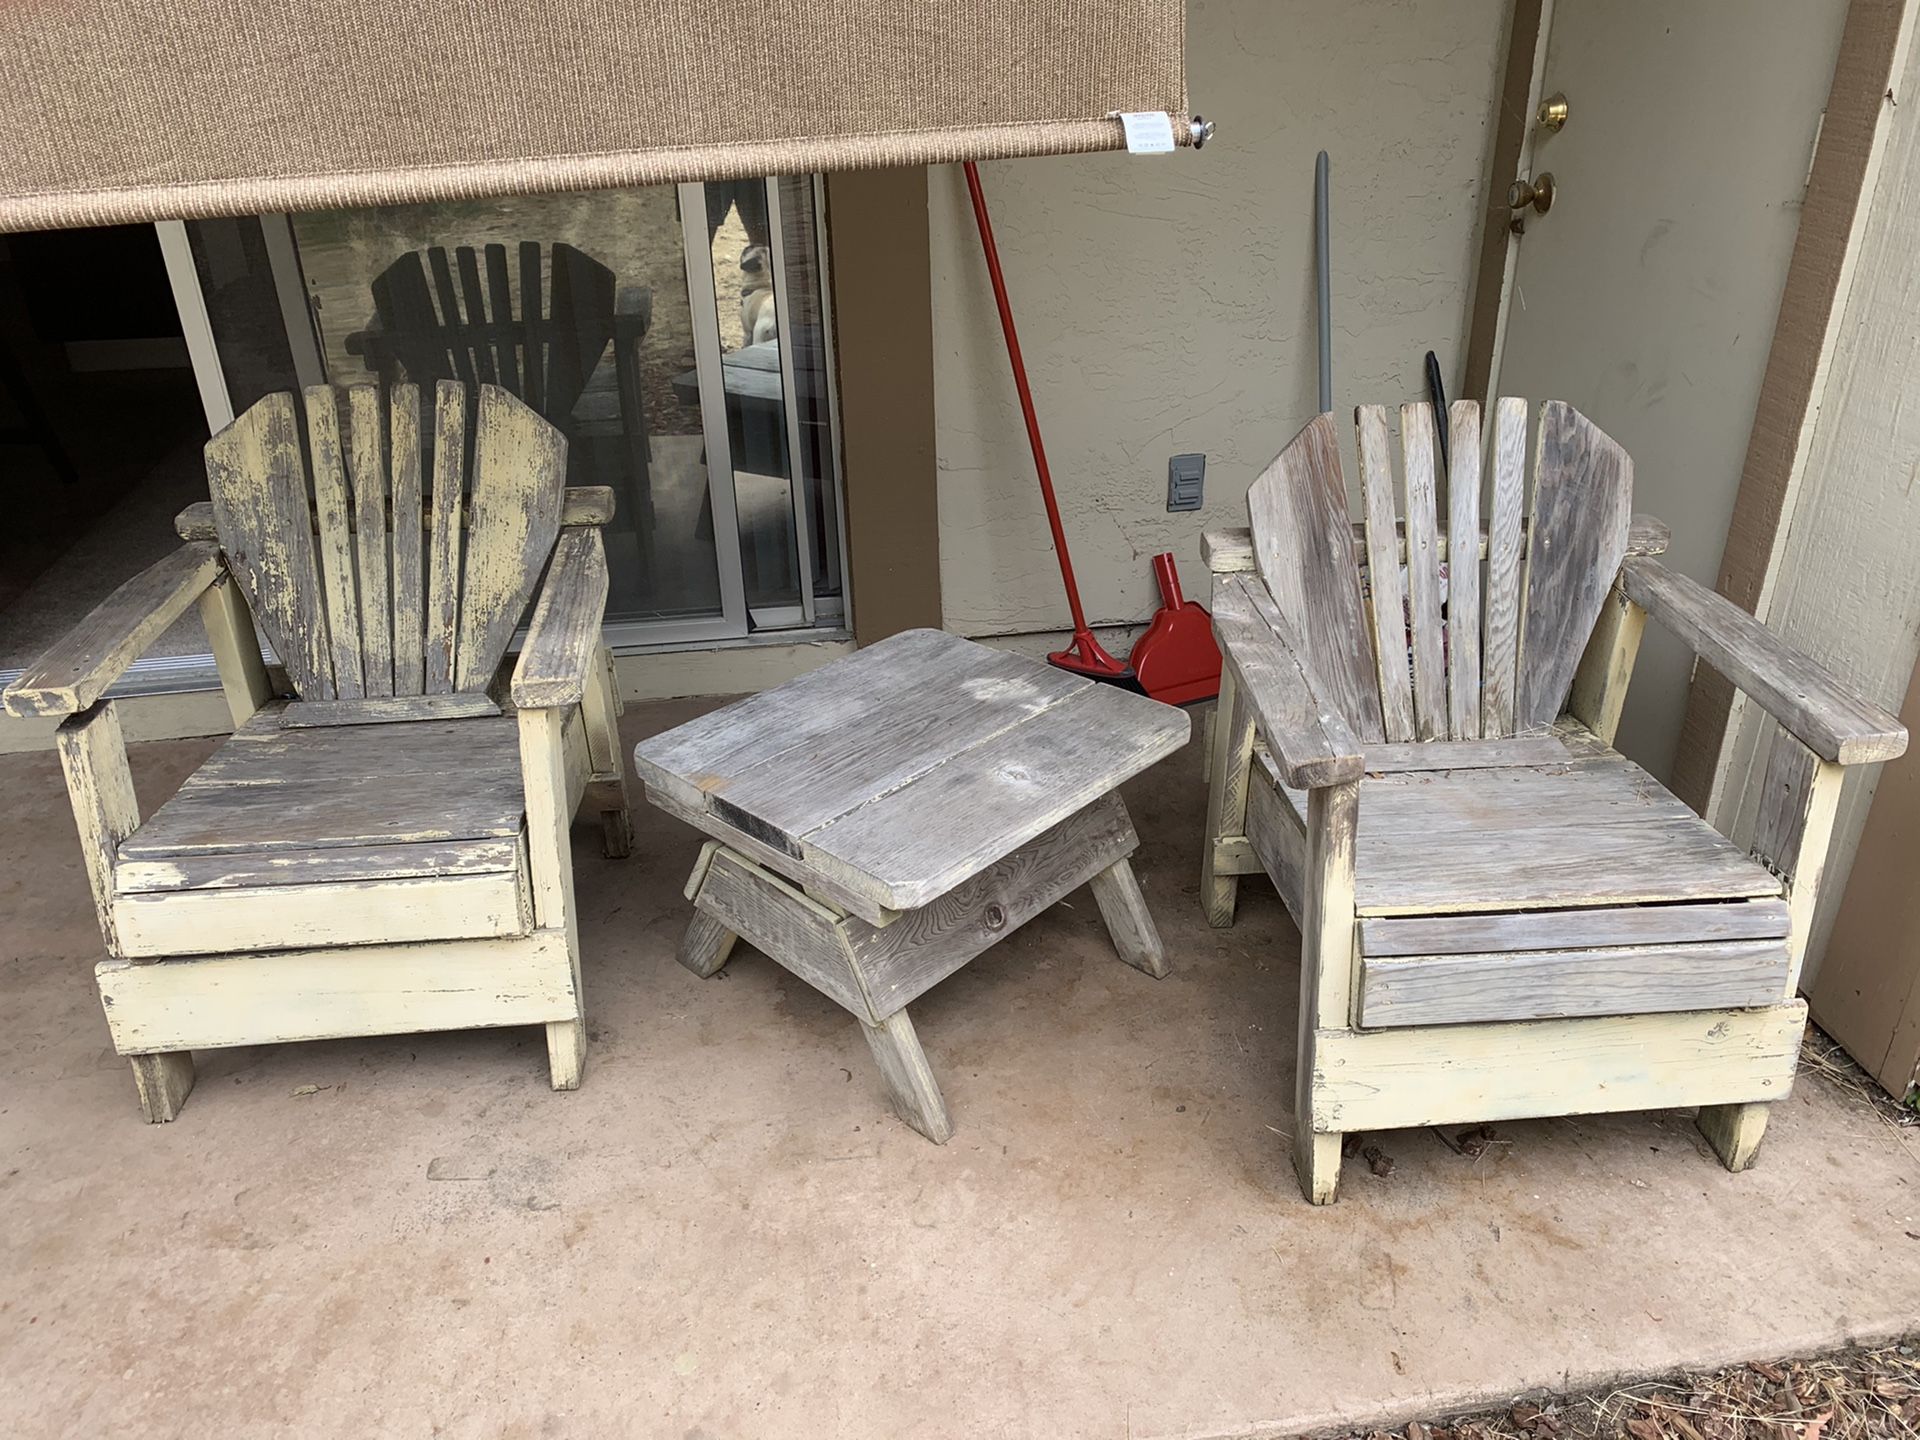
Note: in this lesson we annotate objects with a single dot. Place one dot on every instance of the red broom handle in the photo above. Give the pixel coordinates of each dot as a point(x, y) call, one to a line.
point(1026, 395)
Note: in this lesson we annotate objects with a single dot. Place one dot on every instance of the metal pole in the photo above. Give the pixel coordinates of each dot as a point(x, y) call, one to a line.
point(1323, 277)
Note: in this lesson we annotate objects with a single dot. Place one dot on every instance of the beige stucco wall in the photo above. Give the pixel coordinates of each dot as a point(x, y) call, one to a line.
point(1166, 303)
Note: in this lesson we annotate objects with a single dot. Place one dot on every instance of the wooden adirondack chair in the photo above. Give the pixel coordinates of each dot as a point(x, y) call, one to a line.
point(386, 851)
point(570, 309)
point(1500, 915)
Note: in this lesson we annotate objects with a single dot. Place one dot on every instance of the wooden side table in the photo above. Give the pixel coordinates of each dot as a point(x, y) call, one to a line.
point(881, 821)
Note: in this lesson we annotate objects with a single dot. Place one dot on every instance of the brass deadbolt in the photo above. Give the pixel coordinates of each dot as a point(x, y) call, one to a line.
point(1537, 192)
point(1553, 113)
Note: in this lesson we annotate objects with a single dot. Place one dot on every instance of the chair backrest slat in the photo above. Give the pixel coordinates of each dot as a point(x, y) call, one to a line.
point(1582, 507)
point(450, 321)
point(500, 292)
point(479, 328)
point(1463, 569)
point(1384, 574)
point(519, 473)
point(260, 509)
point(532, 327)
point(443, 541)
point(1423, 574)
point(367, 455)
point(334, 572)
point(1500, 656)
point(336, 541)
point(1492, 653)
point(409, 537)
point(1303, 544)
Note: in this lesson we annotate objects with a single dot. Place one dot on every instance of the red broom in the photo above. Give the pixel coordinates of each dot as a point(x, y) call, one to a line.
point(1085, 655)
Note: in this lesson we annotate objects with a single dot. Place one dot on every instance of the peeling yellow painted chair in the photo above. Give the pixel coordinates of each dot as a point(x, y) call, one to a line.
point(1500, 915)
point(383, 850)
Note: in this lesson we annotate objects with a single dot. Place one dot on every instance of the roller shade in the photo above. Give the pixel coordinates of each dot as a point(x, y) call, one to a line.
point(133, 110)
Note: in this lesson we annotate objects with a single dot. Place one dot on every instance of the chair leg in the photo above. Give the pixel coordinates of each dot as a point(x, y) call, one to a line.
point(1316, 1160)
point(163, 1081)
point(601, 709)
point(706, 946)
point(1734, 1131)
point(1227, 774)
point(566, 1052)
point(1117, 892)
point(910, 1084)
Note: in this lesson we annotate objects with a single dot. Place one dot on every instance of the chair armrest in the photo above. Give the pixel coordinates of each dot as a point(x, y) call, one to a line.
point(1829, 719)
point(1227, 552)
point(97, 651)
point(565, 635)
point(1311, 743)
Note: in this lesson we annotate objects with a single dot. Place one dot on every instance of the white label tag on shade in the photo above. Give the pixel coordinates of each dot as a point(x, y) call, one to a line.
point(1149, 132)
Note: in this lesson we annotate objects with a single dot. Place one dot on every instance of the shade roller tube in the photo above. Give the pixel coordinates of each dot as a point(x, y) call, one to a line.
point(133, 110)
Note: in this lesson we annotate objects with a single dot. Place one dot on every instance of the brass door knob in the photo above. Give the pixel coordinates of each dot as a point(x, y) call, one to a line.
point(1537, 192)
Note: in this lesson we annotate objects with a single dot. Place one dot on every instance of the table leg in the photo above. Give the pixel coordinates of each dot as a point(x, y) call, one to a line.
point(1129, 922)
point(910, 1083)
point(706, 945)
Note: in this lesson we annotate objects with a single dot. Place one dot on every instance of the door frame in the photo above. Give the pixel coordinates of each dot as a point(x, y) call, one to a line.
point(1841, 178)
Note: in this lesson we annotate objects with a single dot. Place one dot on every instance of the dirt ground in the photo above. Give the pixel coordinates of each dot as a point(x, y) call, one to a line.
point(1857, 1394)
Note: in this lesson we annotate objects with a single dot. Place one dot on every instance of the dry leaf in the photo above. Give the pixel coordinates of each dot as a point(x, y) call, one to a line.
point(1816, 1425)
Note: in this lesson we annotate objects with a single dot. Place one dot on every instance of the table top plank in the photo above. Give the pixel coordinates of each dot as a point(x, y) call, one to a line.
point(887, 736)
point(903, 770)
point(919, 840)
point(689, 761)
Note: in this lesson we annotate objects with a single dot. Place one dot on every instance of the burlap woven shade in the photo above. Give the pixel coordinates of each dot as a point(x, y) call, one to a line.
point(131, 110)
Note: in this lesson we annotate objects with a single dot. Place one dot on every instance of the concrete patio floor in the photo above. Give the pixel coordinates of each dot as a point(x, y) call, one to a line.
point(726, 1233)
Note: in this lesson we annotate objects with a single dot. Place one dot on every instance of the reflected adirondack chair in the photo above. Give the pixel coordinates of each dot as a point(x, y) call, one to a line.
point(1500, 915)
point(436, 318)
point(384, 850)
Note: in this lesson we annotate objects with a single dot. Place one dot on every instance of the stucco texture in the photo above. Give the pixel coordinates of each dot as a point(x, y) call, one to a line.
point(1165, 303)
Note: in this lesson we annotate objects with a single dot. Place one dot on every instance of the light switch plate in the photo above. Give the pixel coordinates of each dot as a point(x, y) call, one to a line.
point(1186, 480)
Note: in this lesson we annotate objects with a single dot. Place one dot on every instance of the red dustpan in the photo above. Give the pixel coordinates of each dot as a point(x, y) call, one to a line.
point(1177, 660)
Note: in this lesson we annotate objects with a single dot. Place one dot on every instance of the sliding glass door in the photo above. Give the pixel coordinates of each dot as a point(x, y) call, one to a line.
point(679, 337)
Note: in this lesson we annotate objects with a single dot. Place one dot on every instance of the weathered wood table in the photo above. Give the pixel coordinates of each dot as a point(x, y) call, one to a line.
point(881, 821)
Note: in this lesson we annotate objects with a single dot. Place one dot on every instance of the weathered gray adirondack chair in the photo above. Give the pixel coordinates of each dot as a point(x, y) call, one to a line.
point(1501, 916)
point(386, 852)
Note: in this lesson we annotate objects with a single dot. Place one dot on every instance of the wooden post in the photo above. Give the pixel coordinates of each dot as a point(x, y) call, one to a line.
point(706, 946)
point(1792, 835)
point(236, 649)
point(910, 1084)
point(600, 708)
point(1226, 797)
point(1116, 890)
point(543, 766)
point(1600, 684)
point(93, 753)
point(1326, 972)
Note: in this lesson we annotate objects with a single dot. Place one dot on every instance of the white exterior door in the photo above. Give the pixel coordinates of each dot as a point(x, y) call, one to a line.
point(1646, 295)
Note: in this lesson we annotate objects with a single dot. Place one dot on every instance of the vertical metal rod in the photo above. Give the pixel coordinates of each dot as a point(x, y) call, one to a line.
point(785, 342)
point(1323, 278)
point(837, 553)
point(188, 298)
point(705, 318)
point(992, 252)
